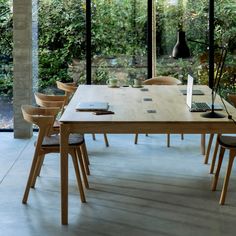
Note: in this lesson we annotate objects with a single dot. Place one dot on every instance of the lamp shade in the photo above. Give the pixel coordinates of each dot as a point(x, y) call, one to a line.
point(181, 49)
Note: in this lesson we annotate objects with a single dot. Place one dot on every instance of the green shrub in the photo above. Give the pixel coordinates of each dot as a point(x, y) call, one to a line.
point(6, 44)
point(61, 38)
point(119, 27)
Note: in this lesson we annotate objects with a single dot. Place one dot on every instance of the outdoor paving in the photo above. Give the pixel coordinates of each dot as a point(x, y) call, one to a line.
point(6, 113)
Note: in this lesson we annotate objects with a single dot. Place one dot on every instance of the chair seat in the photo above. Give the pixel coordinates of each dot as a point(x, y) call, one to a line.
point(54, 140)
point(227, 141)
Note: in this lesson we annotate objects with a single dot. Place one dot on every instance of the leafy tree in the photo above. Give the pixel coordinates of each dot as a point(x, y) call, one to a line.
point(6, 27)
point(61, 38)
point(6, 44)
point(119, 27)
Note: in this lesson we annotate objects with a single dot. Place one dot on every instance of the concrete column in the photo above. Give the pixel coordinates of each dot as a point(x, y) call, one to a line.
point(35, 60)
point(22, 64)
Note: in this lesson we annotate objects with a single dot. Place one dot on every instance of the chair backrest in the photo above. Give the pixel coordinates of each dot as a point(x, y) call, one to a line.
point(232, 98)
point(44, 100)
point(68, 88)
point(40, 116)
point(162, 80)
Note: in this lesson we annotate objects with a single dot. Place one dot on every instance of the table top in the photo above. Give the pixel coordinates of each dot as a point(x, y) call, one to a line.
point(130, 107)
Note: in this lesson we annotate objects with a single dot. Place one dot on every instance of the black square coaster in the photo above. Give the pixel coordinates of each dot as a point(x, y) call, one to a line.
point(147, 99)
point(144, 89)
point(151, 111)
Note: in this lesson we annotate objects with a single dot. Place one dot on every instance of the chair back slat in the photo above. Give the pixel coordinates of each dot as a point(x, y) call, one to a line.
point(48, 97)
point(162, 80)
point(49, 100)
point(68, 88)
point(42, 117)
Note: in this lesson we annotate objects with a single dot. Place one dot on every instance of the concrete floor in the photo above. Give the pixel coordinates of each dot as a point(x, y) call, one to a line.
point(144, 189)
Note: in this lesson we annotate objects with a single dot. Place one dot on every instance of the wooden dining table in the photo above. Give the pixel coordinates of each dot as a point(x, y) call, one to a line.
point(149, 109)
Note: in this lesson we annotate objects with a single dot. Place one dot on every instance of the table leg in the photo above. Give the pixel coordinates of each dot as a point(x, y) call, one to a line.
point(208, 148)
point(203, 143)
point(64, 173)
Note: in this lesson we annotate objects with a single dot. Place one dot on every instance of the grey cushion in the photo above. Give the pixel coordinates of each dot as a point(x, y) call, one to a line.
point(54, 140)
point(227, 141)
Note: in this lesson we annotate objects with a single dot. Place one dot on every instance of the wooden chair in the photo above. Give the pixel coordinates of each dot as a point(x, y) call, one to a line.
point(232, 99)
point(69, 89)
point(46, 143)
point(226, 143)
point(161, 80)
point(45, 100)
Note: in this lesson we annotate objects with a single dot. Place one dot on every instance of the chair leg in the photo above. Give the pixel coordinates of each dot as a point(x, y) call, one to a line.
point(136, 139)
point(106, 140)
point(182, 136)
point(85, 157)
point(41, 164)
point(94, 137)
point(77, 173)
point(227, 176)
point(208, 148)
point(37, 169)
point(82, 164)
point(30, 178)
point(214, 156)
point(216, 177)
point(203, 144)
point(168, 140)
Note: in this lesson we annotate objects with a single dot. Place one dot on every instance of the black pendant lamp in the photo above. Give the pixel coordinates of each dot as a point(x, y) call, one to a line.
point(181, 49)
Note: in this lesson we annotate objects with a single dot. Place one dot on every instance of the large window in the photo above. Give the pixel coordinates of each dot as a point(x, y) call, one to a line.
point(192, 17)
point(61, 45)
point(6, 73)
point(119, 33)
point(119, 45)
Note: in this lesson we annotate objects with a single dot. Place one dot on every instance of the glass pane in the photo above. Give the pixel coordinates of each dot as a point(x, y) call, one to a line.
point(172, 17)
point(6, 72)
point(119, 50)
point(225, 35)
point(192, 17)
point(61, 43)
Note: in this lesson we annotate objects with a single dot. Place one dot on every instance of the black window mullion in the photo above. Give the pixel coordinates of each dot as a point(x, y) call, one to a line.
point(88, 43)
point(149, 39)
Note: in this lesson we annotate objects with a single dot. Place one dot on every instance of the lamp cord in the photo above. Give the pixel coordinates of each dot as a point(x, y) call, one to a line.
point(219, 71)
